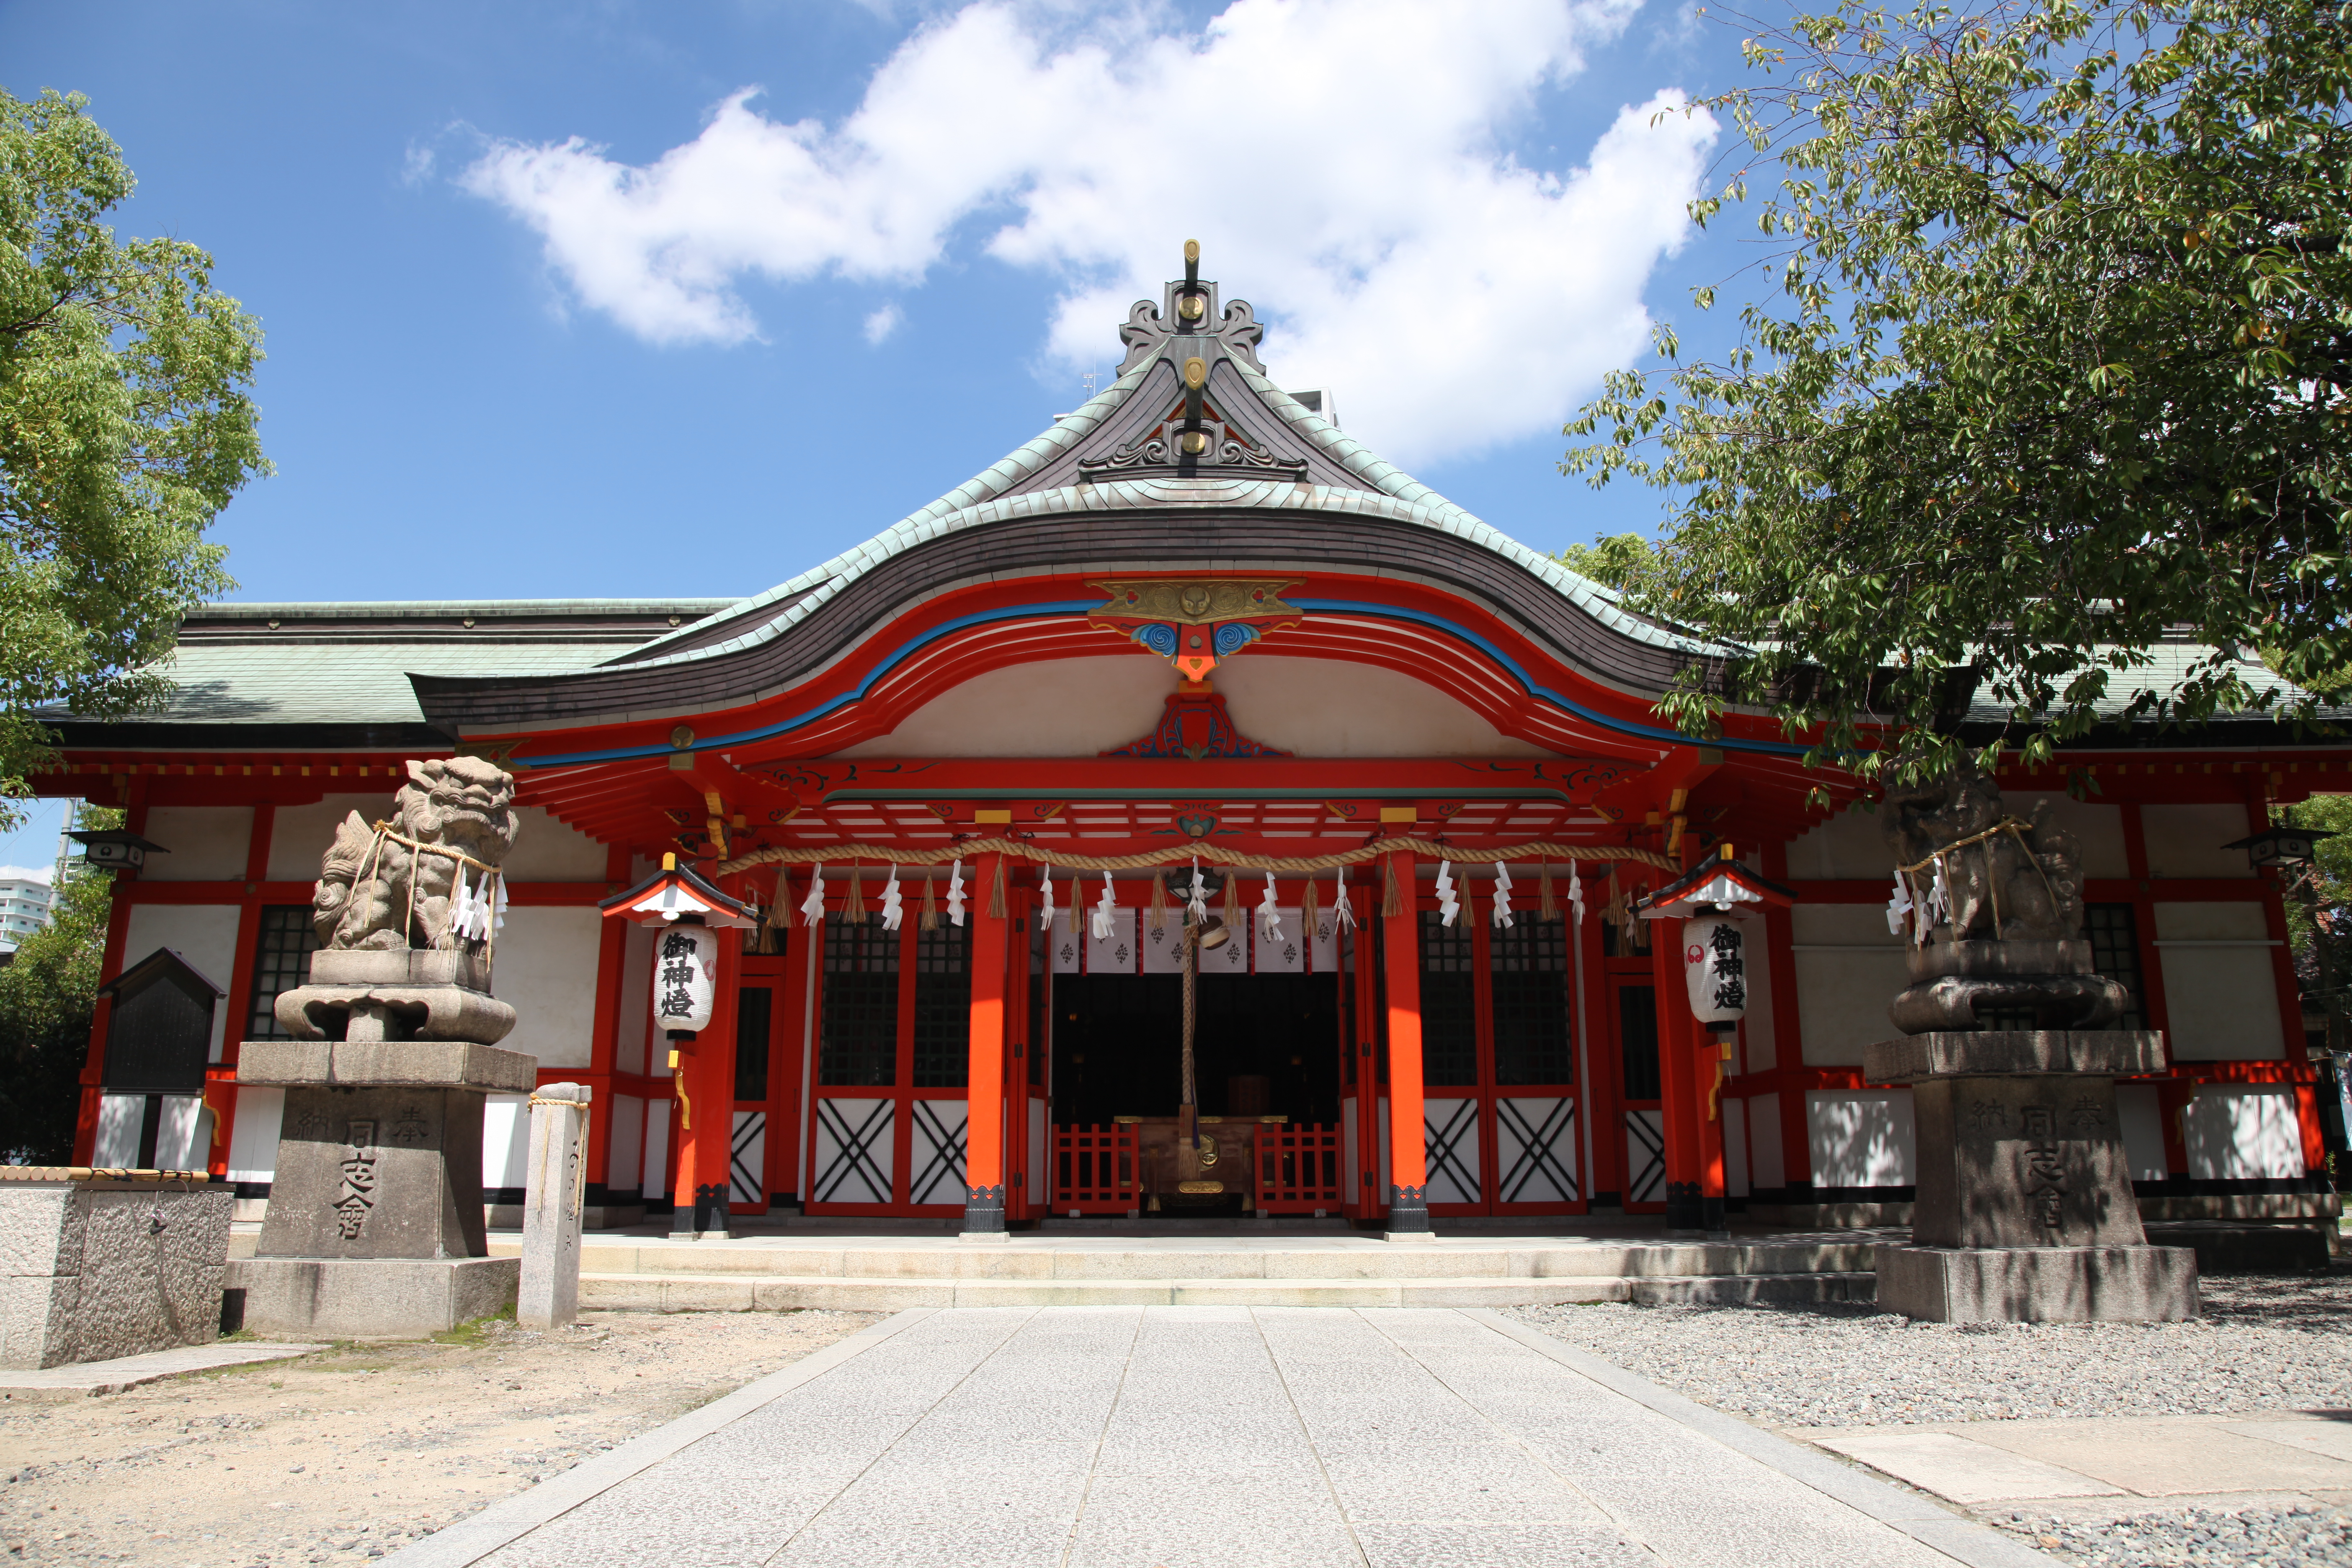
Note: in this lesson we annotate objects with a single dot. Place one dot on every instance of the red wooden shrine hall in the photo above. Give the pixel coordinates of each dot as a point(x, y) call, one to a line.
point(963, 776)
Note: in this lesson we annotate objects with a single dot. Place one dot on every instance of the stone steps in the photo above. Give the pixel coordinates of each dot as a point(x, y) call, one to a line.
point(738, 1292)
point(1348, 1259)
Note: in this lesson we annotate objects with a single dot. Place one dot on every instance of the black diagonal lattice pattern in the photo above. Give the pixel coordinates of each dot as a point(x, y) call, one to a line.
point(938, 1152)
point(1646, 1157)
point(1450, 1133)
point(1535, 1141)
point(747, 1185)
point(856, 1169)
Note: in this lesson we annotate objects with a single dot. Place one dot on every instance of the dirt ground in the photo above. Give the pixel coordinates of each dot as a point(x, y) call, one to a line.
point(350, 1453)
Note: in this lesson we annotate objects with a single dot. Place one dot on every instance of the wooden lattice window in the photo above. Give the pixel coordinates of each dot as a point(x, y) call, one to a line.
point(860, 1043)
point(943, 1007)
point(288, 940)
point(1449, 1002)
point(1529, 964)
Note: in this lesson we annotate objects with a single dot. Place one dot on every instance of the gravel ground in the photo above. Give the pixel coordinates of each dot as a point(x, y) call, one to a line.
point(2272, 1538)
point(2264, 1344)
point(350, 1452)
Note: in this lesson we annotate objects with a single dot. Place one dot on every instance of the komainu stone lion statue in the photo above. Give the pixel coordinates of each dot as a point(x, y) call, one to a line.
point(2008, 885)
point(376, 893)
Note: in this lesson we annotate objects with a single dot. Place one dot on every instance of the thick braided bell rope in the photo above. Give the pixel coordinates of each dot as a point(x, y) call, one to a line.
point(1179, 854)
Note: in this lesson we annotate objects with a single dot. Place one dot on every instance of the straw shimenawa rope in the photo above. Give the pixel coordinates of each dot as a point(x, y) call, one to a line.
point(1176, 854)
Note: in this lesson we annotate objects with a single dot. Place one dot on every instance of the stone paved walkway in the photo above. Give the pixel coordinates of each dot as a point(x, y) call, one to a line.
point(1209, 1437)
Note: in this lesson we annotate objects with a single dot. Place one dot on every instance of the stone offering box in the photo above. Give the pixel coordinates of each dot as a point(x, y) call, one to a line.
point(97, 1264)
point(2024, 1209)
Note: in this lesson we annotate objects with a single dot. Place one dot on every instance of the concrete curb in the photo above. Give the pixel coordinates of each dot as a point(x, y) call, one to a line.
point(470, 1539)
point(82, 1380)
point(1960, 1538)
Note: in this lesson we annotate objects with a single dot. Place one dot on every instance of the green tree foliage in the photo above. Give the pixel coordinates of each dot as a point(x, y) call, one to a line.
point(126, 423)
point(1626, 562)
point(2319, 914)
point(47, 997)
point(2056, 355)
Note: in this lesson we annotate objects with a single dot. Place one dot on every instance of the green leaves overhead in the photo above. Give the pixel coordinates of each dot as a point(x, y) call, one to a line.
point(126, 423)
point(2055, 369)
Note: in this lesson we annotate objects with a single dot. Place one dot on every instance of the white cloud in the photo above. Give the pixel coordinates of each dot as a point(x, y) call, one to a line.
point(882, 324)
point(1341, 161)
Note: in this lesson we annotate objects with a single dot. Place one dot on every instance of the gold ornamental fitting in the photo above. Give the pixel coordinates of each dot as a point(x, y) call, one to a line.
point(1191, 250)
point(1191, 307)
point(1196, 372)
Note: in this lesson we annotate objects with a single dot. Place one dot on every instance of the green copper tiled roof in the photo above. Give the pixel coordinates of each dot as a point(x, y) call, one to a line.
point(348, 664)
point(1386, 491)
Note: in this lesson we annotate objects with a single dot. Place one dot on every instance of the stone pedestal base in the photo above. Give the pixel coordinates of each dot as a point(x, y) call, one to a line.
point(362, 1297)
point(2039, 1284)
point(94, 1267)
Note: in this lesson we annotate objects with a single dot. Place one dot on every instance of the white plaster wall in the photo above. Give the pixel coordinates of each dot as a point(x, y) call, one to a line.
point(2186, 840)
point(207, 843)
point(625, 1155)
point(252, 1139)
point(1077, 707)
point(548, 850)
point(1767, 1165)
point(120, 1117)
point(1848, 845)
point(1755, 1030)
point(2239, 1133)
point(546, 971)
point(1849, 967)
point(203, 935)
point(1862, 1138)
point(2221, 1001)
point(506, 1140)
point(655, 1183)
point(299, 835)
point(2140, 1115)
point(636, 1004)
point(2098, 828)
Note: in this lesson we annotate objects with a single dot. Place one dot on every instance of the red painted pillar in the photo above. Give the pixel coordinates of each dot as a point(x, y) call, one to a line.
point(705, 1071)
point(983, 1172)
point(1408, 1154)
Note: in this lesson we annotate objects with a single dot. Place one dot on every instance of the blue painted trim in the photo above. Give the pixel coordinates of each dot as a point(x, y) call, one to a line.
point(1453, 628)
point(890, 662)
point(900, 654)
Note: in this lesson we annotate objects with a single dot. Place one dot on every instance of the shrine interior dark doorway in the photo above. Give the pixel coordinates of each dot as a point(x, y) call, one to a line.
point(1262, 1044)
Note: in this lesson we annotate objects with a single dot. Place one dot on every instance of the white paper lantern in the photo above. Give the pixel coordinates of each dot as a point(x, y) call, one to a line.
point(1715, 968)
point(686, 977)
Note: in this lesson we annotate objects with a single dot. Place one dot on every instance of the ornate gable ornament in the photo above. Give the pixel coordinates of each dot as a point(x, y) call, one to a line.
point(1190, 310)
point(1192, 622)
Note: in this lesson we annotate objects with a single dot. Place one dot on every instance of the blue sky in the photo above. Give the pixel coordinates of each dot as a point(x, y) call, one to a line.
point(554, 310)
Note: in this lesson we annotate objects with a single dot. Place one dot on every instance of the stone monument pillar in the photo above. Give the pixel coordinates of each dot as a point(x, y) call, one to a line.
point(375, 1223)
point(550, 1292)
point(2024, 1210)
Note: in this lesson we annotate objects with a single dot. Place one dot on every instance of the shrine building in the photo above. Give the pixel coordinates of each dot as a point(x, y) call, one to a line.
point(1194, 624)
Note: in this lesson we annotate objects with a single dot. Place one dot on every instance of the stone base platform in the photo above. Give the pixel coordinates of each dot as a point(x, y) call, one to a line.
point(365, 1298)
point(2039, 1284)
point(875, 1273)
